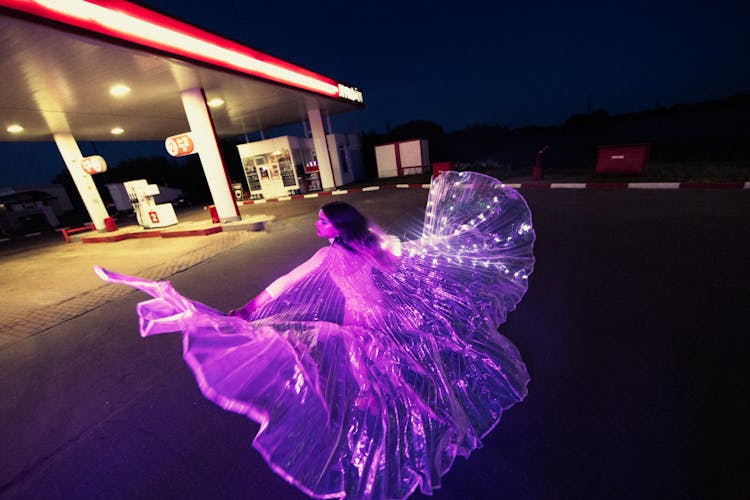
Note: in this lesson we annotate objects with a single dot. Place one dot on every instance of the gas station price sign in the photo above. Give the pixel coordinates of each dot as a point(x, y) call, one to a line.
point(180, 145)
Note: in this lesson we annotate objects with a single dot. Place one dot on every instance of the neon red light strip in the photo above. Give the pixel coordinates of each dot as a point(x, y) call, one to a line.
point(130, 22)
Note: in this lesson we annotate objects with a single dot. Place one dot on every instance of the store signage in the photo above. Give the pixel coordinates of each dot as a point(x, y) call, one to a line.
point(93, 164)
point(350, 93)
point(180, 145)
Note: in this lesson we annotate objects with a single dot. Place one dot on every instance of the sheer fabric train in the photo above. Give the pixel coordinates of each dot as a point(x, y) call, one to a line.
point(366, 383)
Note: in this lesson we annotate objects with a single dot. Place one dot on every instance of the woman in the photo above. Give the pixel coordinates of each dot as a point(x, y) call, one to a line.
point(362, 243)
point(389, 353)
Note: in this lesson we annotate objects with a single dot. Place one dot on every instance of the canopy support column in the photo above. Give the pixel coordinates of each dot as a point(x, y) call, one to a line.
point(204, 135)
point(72, 157)
point(320, 143)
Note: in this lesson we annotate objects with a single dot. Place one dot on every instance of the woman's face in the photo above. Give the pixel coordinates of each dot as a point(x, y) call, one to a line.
point(324, 227)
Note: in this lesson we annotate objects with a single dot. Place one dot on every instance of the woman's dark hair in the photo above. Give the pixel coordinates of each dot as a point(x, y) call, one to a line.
point(357, 234)
point(353, 227)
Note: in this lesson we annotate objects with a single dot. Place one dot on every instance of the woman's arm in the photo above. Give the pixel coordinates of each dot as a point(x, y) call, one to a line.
point(280, 285)
point(259, 301)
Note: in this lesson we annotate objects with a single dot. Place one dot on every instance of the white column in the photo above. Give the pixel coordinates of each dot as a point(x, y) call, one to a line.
point(72, 156)
point(204, 135)
point(321, 148)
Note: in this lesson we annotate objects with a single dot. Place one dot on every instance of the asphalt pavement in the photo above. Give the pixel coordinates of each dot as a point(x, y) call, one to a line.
point(634, 330)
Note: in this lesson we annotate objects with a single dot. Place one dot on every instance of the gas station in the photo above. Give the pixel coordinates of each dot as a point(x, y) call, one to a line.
point(112, 70)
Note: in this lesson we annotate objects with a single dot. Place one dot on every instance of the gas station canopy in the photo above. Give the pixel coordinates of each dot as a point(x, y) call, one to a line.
point(106, 70)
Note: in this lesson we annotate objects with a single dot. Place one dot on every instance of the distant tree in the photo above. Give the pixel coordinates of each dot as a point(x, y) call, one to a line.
point(417, 129)
point(475, 143)
point(596, 121)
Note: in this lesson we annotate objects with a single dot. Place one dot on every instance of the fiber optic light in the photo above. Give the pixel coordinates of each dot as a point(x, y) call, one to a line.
point(14, 128)
point(117, 131)
point(131, 22)
point(119, 90)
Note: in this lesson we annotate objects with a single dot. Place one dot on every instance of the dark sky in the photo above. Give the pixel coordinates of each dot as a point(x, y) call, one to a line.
point(512, 63)
point(493, 62)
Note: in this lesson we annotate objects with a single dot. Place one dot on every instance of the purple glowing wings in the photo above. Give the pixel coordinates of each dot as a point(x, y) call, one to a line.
point(396, 372)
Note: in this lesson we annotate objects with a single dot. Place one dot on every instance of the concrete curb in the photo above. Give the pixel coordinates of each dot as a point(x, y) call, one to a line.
point(525, 185)
point(257, 223)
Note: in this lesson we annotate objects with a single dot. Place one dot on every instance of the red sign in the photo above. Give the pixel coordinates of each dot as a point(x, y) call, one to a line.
point(622, 159)
point(180, 145)
point(93, 165)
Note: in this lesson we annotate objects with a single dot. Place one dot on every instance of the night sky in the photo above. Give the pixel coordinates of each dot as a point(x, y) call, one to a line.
point(464, 63)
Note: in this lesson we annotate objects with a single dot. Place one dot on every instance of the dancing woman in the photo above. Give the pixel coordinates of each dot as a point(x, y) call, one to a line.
point(371, 366)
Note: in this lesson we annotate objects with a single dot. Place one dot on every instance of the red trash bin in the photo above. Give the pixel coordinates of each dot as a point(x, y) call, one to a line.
point(110, 225)
point(214, 214)
point(441, 166)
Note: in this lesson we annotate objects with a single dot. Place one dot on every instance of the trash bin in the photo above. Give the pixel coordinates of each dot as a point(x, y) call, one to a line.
point(110, 224)
point(536, 172)
point(441, 166)
point(213, 213)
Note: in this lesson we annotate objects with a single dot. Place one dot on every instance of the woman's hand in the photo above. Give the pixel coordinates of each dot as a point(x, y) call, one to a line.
point(238, 312)
point(246, 311)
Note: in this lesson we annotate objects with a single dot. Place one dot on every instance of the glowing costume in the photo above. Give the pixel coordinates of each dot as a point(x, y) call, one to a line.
point(368, 383)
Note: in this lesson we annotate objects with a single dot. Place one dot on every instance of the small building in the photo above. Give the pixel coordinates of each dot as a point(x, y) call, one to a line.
point(397, 159)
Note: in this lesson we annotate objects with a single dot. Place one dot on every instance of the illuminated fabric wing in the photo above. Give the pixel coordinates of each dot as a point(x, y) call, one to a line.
point(369, 383)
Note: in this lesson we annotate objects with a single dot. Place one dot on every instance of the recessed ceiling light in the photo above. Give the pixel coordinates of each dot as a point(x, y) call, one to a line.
point(14, 128)
point(119, 90)
point(117, 131)
point(215, 102)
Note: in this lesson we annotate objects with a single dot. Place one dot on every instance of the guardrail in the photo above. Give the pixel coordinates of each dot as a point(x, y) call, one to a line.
point(68, 231)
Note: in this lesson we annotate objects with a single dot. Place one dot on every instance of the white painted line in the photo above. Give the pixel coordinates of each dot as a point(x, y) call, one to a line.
point(371, 188)
point(313, 195)
point(426, 186)
point(339, 191)
point(402, 186)
point(514, 186)
point(568, 185)
point(259, 201)
point(29, 235)
point(284, 198)
point(4, 239)
point(653, 185)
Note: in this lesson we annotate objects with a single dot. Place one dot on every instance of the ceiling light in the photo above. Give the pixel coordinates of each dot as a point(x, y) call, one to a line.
point(14, 128)
point(119, 90)
point(215, 102)
point(117, 131)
